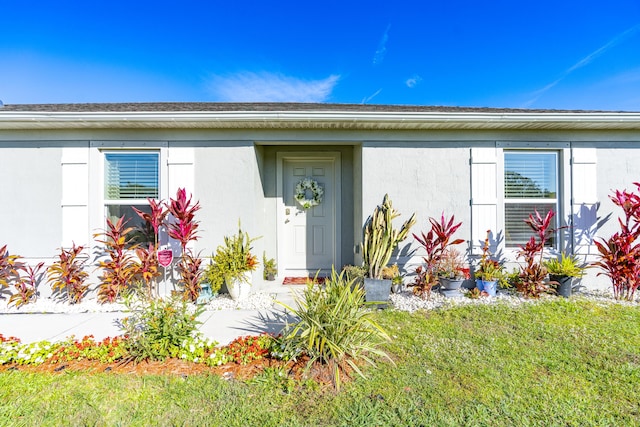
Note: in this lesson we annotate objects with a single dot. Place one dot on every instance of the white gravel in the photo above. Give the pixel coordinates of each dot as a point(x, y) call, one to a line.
point(255, 301)
point(406, 301)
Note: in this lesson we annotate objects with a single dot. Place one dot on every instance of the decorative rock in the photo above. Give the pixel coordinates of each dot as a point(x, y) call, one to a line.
point(255, 301)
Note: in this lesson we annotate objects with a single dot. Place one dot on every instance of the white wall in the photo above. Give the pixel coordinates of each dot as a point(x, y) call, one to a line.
point(31, 218)
point(426, 178)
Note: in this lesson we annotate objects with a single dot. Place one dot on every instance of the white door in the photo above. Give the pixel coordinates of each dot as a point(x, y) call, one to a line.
point(309, 237)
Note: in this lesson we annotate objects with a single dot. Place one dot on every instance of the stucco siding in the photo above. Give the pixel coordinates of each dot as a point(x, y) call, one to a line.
point(428, 179)
point(225, 185)
point(31, 218)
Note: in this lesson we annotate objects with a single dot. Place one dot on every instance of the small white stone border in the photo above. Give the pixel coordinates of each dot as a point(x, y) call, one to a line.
point(255, 301)
point(406, 301)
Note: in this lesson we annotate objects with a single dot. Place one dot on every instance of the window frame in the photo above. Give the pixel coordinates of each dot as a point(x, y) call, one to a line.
point(555, 201)
point(563, 199)
point(104, 202)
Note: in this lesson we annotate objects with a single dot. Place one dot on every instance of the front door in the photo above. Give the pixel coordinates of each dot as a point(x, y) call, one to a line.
point(309, 237)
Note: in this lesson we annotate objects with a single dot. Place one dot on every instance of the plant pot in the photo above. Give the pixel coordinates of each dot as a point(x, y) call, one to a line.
point(488, 286)
point(396, 289)
point(450, 288)
point(271, 277)
point(450, 284)
point(377, 290)
point(564, 286)
point(239, 287)
point(205, 294)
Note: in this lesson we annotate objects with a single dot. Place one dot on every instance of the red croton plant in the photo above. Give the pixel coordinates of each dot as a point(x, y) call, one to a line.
point(620, 253)
point(435, 243)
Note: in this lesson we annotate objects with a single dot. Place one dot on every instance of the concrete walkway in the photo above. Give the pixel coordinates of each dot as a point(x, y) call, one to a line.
point(221, 325)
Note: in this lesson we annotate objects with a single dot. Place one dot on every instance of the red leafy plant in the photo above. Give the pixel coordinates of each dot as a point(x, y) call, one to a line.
point(246, 349)
point(148, 269)
point(620, 253)
point(10, 267)
point(119, 268)
point(26, 285)
point(435, 243)
point(184, 229)
point(108, 350)
point(533, 273)
point(67, 274)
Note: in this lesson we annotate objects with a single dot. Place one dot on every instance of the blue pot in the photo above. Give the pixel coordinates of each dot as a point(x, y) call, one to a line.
point(487, 286)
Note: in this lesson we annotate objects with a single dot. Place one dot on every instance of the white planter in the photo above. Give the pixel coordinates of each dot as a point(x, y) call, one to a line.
point(240, 287)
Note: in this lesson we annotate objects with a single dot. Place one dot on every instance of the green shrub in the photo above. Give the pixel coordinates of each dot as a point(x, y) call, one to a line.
point(157, 328)
point(334, 327)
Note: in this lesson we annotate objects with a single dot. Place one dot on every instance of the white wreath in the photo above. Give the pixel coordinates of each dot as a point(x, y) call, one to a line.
point(301, 193)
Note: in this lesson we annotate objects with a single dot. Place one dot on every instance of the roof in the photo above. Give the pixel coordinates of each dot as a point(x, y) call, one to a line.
point(210, 115)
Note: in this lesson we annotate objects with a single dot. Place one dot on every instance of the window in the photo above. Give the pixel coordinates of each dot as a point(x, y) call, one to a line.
point(130, 178)
point(530, 182)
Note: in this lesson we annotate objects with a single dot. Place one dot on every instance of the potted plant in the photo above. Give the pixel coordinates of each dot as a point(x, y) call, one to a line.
point(379, 242)
point(270, 269)
point(435, 243)
point(562, 271)
point(451, 271)
point(234, 262)
point(354, 274)
point(489, 271)
point(392, 272)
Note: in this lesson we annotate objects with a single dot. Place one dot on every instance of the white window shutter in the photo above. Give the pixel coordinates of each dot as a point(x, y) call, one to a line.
point(181, 169)
point(75, 196)
point(584, 203)
point(484, 195)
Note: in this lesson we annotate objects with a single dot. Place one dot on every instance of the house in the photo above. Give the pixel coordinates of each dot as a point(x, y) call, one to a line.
point(65, 167)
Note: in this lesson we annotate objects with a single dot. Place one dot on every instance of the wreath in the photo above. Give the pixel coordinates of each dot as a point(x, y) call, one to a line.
point(301, 193)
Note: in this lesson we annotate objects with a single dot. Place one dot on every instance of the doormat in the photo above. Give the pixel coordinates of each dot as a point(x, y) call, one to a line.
point(301, 280)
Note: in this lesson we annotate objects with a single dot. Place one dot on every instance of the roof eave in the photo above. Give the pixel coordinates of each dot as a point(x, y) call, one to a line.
point(317, 119)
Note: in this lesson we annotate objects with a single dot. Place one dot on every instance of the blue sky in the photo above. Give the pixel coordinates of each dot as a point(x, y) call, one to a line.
point(502, 53)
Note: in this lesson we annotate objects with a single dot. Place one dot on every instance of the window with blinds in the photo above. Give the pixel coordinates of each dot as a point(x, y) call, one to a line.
point(130, 176)
point(530, 183)
point(129, 179)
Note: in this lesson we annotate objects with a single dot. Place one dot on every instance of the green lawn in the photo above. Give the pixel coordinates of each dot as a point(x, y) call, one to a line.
point(554, 363)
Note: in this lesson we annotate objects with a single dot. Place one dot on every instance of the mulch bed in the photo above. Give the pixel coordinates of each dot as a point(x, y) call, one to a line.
point(322, 374)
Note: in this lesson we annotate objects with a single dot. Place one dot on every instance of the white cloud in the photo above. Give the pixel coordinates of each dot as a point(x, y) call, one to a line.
point(413, 81)
point(270, 87)
point(378, 57)
point(583, 62)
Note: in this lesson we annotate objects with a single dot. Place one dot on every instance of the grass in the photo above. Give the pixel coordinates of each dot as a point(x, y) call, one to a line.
point(553, 363)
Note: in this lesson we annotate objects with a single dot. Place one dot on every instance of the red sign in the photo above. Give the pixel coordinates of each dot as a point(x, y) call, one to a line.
point(165, 257)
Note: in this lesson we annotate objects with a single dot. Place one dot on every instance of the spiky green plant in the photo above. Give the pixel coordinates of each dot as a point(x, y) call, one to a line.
point(381, 239)
point(335, 328)
point(567, 265)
